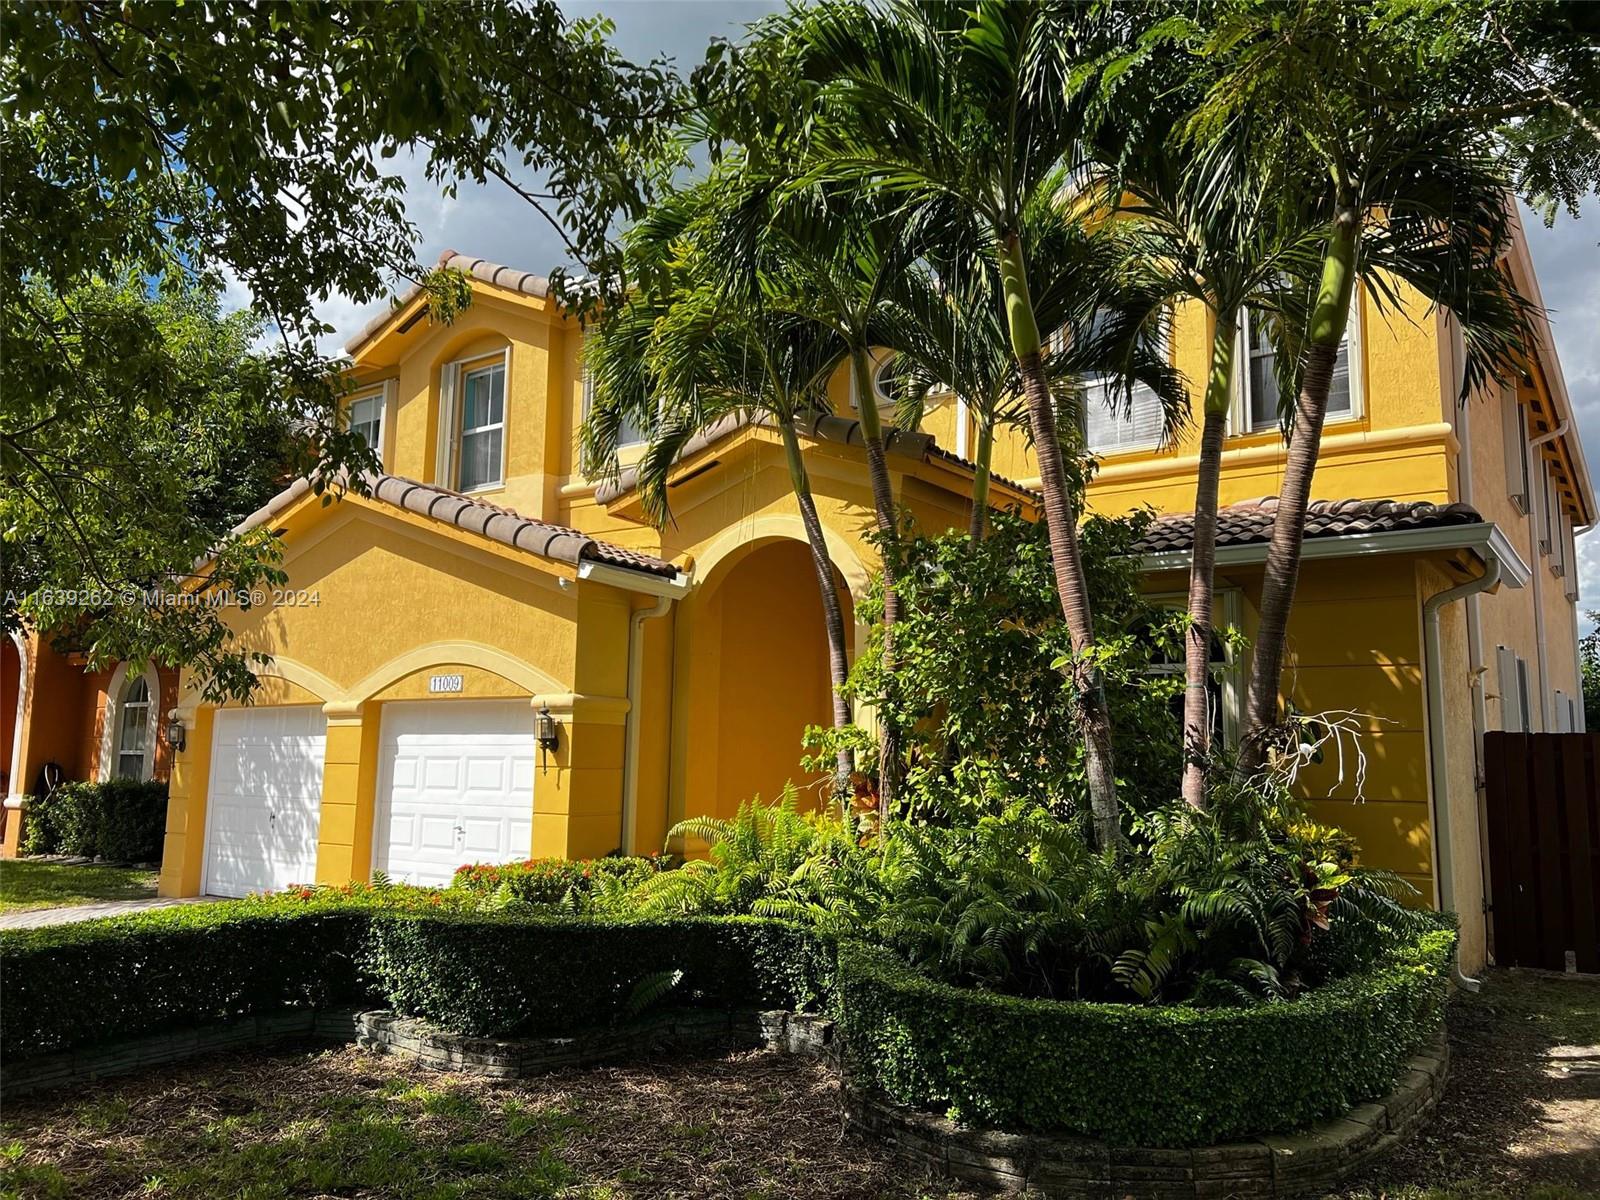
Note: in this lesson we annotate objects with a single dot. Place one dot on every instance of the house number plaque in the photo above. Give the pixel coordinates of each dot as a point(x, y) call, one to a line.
point(444, 683)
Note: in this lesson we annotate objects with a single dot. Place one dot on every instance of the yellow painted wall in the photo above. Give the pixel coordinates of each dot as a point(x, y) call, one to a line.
point(394, 600)
point(712, 727)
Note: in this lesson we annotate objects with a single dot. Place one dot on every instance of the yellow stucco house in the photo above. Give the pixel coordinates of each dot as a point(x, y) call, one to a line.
point(490, 657)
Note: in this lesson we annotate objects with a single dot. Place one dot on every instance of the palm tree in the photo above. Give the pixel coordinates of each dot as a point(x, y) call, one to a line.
point(945, 322)
point(683, 355)
point(964, 112)
point(1404, 189)
point(831, 255)
point(1210, 220)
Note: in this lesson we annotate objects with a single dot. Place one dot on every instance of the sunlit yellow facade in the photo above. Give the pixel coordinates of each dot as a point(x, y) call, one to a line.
point(683, 692)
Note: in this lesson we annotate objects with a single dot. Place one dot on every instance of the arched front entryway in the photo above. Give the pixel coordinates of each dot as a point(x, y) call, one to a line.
point(757, 676)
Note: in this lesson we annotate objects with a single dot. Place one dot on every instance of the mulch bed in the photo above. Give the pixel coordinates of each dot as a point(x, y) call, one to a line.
point(750, 1124)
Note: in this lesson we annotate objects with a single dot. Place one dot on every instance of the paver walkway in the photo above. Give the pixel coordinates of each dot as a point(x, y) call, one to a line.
point(35, 918)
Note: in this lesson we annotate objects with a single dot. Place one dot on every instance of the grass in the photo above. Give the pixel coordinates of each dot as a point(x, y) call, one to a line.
point(1517, 1123)
point(26, 884)
point(1520, 1119)
point(751, 1126)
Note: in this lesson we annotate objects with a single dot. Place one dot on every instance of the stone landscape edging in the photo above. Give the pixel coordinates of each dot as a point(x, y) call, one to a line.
point(1065, 1167)
point(1059, 1166)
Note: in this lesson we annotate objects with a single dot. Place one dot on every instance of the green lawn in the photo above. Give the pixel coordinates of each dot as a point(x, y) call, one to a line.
point(26, 884)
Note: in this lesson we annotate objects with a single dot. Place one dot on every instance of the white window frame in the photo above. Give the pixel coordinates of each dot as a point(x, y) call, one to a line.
point(385, 397)
point(446, 466)
point(1514, 431)
point(1239, 423)
point(1227, 613)
point(587, 402)
point(1094, 392)
point(111, 725)
point(879, 365)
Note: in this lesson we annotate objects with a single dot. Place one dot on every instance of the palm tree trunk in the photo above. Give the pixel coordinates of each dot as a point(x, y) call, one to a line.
point(1328, 321)
point(889, 531)
point(1202, 567)
point(832, 613)
point(1094, 718)
point(980, 480)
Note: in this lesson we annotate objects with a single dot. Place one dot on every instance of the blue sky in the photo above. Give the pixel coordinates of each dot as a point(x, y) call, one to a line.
point(492, 223)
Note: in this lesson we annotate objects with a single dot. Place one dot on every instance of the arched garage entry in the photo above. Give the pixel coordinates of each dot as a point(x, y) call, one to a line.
point(758, 675)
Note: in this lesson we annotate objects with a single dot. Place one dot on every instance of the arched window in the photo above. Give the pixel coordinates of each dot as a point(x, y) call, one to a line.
point(132, 722)
point(133, 730)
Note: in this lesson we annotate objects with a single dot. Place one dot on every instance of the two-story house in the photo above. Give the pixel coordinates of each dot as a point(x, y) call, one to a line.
point(488, 656)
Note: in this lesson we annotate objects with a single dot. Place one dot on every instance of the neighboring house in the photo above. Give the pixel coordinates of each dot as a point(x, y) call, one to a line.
point(488, 656)
point(56, 715)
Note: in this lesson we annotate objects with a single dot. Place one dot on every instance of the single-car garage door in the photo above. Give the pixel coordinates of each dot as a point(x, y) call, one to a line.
point(455, 785)
point(266, 792)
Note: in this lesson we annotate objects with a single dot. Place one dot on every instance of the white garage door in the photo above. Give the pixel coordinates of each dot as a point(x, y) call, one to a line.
point(266, 793)
point(455, 785)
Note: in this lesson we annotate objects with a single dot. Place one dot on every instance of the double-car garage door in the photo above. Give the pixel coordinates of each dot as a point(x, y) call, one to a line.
point(454, 785)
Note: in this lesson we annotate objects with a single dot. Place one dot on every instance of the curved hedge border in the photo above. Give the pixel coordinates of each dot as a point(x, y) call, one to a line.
point(1137, 1076)
point(1127, 1075)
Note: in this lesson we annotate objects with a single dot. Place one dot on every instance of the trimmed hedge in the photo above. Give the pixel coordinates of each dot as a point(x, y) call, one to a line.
point(1132, 1075)
point(66, 986)
point(123, 820)
point(493, 975)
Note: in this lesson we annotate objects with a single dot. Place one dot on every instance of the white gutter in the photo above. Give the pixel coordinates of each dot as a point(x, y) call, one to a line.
point(1439, 794)
point(1485, 537)
point(634, 581)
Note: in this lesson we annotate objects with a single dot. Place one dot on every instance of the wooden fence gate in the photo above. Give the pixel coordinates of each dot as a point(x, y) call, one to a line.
point(1543, 797)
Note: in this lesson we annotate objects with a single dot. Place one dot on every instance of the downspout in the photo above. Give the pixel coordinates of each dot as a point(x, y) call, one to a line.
point(1444, 850)
point(630, 750)
point(1538, 582)
point(1476, 666)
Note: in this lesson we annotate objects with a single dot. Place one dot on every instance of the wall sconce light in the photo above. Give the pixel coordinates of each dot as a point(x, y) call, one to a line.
point(175, 732)
point(545, 730)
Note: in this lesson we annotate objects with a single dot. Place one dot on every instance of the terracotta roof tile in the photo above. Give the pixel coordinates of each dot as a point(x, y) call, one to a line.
point(481, 269)
point(498, 524)
point(1251, 522)
point(823, 427)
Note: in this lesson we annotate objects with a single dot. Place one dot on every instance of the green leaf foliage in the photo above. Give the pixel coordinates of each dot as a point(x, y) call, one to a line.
point(1142, 1076)
point(123, 820)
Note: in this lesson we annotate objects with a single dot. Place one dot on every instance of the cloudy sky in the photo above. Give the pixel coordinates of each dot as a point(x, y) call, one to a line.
point(491, 223)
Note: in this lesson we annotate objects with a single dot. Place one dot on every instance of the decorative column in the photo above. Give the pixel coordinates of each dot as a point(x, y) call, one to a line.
point(349, 790)
point(184, 851)
point(577, 784)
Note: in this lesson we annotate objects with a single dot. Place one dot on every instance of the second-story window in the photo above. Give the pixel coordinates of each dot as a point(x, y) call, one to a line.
point(629, 432)
point(1262, 400)
point(366, 419)
point(1113, 423)
point(483, 428)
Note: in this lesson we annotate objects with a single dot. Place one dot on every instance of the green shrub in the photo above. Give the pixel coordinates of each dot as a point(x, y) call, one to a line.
point(123, 820)
point(985, 716)
point(769, 860)
point(1168, 1076)
point(73, 985)
point(569, 884)
point(67, 986)
point(498, 975)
